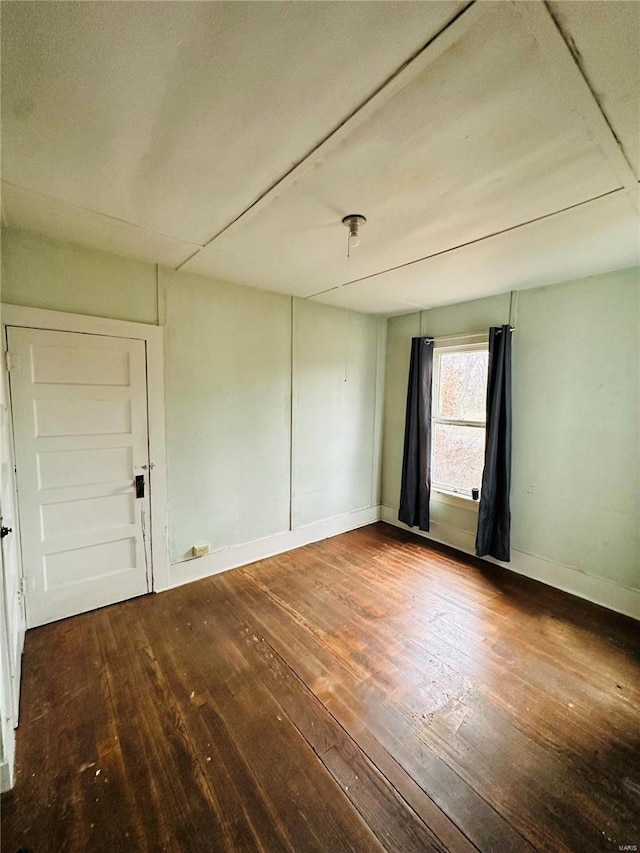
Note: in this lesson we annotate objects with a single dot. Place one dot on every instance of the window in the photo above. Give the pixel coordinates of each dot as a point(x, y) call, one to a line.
point(458, 418)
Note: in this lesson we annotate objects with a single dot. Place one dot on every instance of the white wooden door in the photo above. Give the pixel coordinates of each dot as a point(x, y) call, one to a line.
point(11, 602)
point(80, 426)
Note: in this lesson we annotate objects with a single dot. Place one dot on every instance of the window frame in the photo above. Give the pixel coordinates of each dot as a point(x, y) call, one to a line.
point(448, 494)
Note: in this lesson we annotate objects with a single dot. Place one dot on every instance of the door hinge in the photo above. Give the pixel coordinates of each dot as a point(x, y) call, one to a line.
point(12, 360)
point(27, 584)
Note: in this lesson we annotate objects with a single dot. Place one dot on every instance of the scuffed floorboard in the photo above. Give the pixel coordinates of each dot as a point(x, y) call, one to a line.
point(369, 692)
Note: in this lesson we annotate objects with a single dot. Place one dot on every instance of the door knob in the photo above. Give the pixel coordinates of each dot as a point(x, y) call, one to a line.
point(5, 532)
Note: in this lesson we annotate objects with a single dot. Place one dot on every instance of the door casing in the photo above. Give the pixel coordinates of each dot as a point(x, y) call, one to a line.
point(38, 318)
point(13, 619)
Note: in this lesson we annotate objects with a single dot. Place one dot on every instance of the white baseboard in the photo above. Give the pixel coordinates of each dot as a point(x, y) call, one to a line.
point(260, 549)
point(7, 760)
point(597, 590)
point(5, 777)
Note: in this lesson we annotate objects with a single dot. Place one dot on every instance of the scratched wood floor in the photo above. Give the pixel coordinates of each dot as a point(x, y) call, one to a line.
point(364, 693)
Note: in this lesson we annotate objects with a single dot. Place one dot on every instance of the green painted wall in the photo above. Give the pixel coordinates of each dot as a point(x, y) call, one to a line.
point(228, 389)
point(335, 390)
point(233, 372)
point(576, 443)
point(228, 397)
point(44, 273)
point(400, 330)
point(576, 433)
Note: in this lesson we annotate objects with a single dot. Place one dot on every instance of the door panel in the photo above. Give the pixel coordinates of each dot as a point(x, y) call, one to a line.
point(88, 514)
point(80, 425)
point(60, 365)
point(60, 468)
point(81, 417)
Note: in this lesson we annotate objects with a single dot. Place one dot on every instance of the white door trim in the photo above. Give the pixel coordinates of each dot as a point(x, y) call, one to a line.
point(39, 318)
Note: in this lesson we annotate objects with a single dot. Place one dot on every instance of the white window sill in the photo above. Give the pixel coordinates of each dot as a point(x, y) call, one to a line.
point(454, 499)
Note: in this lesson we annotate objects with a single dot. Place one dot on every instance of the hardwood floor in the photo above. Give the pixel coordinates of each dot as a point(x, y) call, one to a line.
point(364, 693)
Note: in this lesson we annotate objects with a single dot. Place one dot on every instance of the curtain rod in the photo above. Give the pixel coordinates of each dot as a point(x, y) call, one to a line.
point(484, 334)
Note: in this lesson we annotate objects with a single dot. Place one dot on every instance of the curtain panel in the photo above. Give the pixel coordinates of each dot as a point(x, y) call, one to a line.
point(494, 515)
point(416, 463)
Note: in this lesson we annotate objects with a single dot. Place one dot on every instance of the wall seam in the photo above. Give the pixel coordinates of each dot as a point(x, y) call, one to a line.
point(375, 417)
point(378, 412)
point(291, 413)
point(157, 266)
point(513, 308)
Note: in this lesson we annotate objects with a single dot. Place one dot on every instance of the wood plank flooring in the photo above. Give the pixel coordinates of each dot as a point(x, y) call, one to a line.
point(366, 693)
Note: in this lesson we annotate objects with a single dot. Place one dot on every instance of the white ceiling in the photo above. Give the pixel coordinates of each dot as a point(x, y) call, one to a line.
point(492, 146)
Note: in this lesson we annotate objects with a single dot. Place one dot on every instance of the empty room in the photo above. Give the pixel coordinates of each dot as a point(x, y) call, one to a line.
point(320, 426)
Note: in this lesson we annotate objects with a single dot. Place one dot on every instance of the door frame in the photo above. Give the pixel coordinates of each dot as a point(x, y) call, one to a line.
point(11, 633)
point(58, 321)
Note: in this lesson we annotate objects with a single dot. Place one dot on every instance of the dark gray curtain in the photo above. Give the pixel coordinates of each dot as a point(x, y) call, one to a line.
point(494, 516)
point(416, 462)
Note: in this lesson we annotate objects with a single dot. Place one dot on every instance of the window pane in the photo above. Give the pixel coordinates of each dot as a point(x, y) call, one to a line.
point(463, 385)
point(458, 456)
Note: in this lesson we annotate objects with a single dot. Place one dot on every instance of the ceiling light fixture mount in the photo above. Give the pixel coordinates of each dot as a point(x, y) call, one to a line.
point(353, 221)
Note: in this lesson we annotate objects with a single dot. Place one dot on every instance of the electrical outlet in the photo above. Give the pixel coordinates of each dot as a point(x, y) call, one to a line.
point(200, 550)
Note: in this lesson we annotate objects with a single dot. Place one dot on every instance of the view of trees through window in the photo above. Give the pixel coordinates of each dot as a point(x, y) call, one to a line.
point(459, 419)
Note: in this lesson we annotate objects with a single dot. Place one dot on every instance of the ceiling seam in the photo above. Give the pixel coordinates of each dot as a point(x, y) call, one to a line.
point(298, 165)
point(616, 191)
point(103, 215)
point(576, 89)
point(577, 58)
